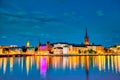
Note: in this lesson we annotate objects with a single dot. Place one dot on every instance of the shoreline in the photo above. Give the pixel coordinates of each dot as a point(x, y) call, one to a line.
point(20, 55)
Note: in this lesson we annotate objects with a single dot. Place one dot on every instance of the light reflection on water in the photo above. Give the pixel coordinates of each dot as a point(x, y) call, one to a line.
point(48, 67)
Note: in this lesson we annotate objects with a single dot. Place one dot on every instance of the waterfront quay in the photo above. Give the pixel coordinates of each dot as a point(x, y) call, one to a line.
point(28, 54)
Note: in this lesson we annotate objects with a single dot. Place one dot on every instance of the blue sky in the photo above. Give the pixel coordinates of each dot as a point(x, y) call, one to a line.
point(59, 21)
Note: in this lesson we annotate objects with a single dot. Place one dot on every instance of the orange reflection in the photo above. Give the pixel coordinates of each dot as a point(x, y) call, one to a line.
point(56, 62)
point(27, 64)
point(72, 62)
point(1, 61)
point(37, 58)
point(4, 64)
point(11, 64)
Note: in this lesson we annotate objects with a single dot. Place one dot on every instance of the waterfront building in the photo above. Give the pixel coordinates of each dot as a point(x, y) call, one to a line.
point(60, 44)
point(73, 49)
point(43, 50)
point(49, 46)
point(118, 48)
point(82, 49)
point(114, 49)
point(58, 50)
point(65, 50)
point(4, 49)
point(1, 50)
point(13, 46)
point(98, 48)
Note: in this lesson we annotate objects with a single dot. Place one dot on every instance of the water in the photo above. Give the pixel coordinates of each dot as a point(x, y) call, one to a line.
point(60, 68)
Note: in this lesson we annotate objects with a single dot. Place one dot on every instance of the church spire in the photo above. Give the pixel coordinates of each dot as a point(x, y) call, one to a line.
point(86, 39)
point(86, 35)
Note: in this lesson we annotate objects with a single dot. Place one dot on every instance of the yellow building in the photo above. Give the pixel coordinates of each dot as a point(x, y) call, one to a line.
point(73, 49)
point(118, 48)
point(27, 44)
point(1, 50)
point(114, 49)
point(98, 48)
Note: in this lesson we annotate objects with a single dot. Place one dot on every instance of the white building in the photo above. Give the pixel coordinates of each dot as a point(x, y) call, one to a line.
point(60, 45)
point(65, 50)
point(60, 48)
point(13, 46)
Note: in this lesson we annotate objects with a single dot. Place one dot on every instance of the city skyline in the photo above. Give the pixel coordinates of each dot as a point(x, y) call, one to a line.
point(60, 39)
point(85, 42)
point(58, 21)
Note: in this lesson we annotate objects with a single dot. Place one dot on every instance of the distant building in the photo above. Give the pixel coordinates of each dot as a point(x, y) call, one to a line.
point(27, 44)
point(1, 50)
point(44, 48)
point(73, 49)
point(49, 46)
point(13, 46)
point(118, 48)
point(86, 39)
point(82, 49)
point(4, 49)
point(114, 49)
point(98, 48)
point(65, 50)
point(60, 45)
point(60, 48)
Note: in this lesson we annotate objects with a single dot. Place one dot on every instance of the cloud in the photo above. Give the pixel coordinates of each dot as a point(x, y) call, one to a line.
point(11, 5)
point(3, 37)
point(3, 10)
point(36, 27)
point(69, 15)
point(26, 17)
point(33, 35)
point(100, 13)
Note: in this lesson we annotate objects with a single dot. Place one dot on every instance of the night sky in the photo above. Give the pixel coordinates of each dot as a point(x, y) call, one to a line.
point(59, 21)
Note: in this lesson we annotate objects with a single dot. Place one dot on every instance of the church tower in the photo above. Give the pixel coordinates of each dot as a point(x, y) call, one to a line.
point(27, 44)
point(86, 39)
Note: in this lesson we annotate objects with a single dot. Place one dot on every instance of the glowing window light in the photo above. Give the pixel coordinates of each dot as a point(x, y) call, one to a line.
point(42, 47)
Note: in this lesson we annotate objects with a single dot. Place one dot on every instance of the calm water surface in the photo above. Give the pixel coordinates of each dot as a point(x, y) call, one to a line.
point(60, 68)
